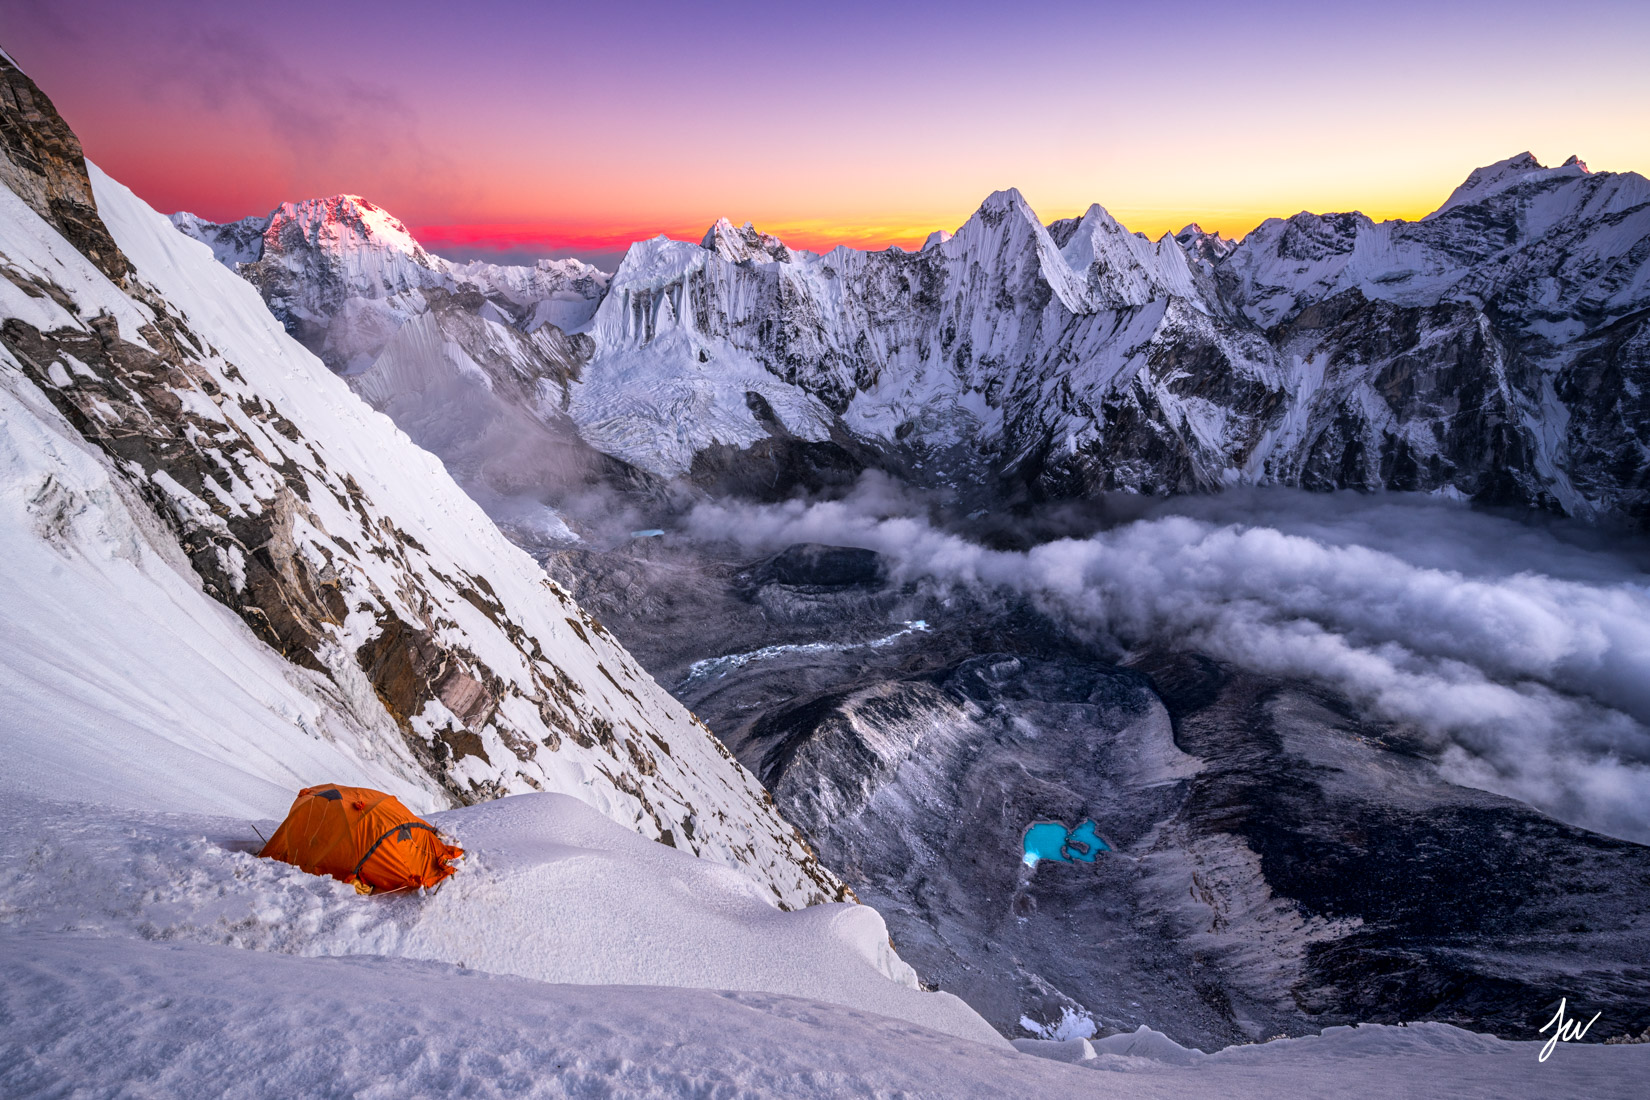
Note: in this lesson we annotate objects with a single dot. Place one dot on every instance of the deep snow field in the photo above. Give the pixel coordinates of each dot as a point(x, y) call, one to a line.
point(152, 955)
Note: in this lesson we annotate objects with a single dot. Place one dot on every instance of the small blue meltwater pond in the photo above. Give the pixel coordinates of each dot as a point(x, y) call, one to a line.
point(1052, 840)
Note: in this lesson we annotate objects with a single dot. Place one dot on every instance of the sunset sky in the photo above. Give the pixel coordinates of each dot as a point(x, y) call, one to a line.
point(542, 128)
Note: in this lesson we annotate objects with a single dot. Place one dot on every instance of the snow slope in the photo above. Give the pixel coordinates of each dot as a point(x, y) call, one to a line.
point(426, 653)
point(568, 958)
point(119, 671)
point(550, 890)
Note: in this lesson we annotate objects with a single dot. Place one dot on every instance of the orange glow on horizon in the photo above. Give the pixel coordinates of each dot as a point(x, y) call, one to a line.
point(819, 235)
point(621, 130)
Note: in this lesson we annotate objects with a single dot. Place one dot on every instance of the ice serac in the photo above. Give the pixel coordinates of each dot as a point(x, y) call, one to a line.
point(166, 420)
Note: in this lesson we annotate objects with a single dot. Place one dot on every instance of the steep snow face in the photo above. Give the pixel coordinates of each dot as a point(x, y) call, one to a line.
point(449, 659)
point(119, 671)
point(661, 388)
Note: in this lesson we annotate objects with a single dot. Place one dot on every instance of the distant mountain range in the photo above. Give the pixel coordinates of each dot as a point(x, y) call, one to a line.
point(1494, 350)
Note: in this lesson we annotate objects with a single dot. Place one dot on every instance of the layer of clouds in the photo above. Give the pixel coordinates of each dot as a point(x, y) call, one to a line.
point(1523, 652)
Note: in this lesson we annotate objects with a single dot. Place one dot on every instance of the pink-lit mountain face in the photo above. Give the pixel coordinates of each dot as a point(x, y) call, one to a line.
point(1489, 350)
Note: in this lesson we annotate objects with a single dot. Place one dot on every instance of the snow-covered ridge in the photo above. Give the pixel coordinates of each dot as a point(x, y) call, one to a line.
point(344, 256)
point(185, 458)
point(1503, 174)
point(1472, 353)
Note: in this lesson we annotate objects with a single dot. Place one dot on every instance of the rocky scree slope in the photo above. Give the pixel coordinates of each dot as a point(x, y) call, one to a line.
point(338, 544)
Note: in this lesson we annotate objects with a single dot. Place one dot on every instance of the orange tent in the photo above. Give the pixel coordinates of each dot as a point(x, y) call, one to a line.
point(362, 836)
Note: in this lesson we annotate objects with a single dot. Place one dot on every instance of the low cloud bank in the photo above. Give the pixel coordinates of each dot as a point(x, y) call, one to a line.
point(1523, 652)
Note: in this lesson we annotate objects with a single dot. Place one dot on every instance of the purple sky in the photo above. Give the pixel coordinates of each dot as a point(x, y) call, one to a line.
point(542, 128)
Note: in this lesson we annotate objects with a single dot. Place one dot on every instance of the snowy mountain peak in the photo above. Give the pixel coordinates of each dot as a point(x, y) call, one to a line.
point(1503, 175)
point(343, 222)
point(1097, 216)
point(1202, 247)
point(1001, 202)
point(1120, 269)
point(1006, 236)
point(935, 239)
point(313, 257)
point(744, 243)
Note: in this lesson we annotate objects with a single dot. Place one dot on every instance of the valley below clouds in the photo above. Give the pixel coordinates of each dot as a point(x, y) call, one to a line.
point(1519, 651)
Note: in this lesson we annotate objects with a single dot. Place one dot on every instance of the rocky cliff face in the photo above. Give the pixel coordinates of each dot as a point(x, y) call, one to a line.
point(339, 546)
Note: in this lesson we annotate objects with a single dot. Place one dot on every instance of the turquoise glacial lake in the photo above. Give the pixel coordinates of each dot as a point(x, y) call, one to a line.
point(1052, 840)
